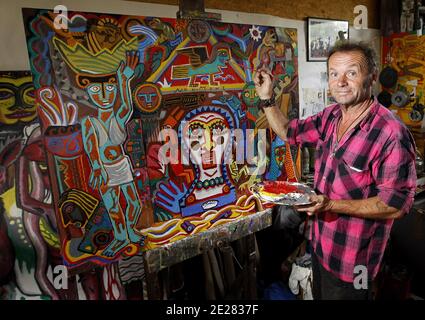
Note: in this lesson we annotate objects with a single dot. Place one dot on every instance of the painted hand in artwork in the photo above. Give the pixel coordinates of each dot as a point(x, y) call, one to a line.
point(126, 71)
point(98, 176)
point(168, 196)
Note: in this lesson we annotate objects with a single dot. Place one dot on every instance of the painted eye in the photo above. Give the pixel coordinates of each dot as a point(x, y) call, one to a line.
point(110, 88)
point(219, 140)
point(5, 95)
point(29, 96)
point(95, 89)
point(194, 145)
point(30, 93)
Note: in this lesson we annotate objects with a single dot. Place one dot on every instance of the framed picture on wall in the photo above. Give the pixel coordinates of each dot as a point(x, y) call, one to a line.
point(322, 35)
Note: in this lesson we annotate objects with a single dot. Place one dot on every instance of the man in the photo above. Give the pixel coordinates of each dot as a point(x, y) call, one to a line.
point(364, 172)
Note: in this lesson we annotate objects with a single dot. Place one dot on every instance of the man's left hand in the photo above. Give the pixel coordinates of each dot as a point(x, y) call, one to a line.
point(318, 204)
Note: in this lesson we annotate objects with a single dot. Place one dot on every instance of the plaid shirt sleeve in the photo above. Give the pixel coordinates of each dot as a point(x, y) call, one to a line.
point(305, 132)
point(395, 172)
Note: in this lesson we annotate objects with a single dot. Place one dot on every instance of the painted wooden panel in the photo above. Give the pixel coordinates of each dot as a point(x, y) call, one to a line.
point(151, 128)
point(31, 264)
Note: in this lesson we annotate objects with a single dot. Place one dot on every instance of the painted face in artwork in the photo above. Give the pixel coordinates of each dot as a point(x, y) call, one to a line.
point(270, 38)
point(17, 100)
point(223, 57)
point(107, 33)
point(207, 137)
point(147, 98)
point(103, 95)
point(249, 95)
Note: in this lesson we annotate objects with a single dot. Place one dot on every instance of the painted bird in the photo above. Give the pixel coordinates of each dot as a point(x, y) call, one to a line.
point(201, 65)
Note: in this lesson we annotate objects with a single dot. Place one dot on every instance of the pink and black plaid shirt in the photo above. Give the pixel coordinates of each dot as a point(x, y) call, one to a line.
point(376, 158)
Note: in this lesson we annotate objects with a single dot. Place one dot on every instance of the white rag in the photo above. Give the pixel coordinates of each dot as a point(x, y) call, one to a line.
point(301, 277)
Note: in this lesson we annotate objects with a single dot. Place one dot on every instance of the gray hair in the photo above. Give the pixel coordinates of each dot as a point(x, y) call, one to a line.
point(367, 52)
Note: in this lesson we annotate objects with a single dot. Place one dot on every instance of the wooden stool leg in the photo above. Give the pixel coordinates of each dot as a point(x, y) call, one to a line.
point(252, 268)
point(153, 285)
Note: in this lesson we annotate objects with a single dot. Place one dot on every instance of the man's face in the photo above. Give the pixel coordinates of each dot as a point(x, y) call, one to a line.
point(349, 81)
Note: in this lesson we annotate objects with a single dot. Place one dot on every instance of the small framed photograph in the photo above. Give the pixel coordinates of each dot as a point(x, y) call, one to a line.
point(322, 35)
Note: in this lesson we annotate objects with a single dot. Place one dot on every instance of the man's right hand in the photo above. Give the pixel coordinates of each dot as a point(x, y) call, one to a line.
point(263, 80)
point(264, 86)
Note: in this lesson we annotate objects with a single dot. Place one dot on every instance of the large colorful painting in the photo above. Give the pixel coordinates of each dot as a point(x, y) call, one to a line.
point(31, 264)
point(150, 126)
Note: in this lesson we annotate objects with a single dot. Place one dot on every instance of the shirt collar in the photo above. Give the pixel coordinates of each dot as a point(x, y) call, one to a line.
point(366, 122)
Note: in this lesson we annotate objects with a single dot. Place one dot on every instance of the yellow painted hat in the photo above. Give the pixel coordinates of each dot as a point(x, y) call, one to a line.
point(81, 60)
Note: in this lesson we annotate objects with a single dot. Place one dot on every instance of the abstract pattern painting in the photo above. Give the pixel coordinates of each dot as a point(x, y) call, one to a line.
point(151, 127)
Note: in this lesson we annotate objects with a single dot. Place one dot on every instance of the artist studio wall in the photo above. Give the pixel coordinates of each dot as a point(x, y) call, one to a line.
point(297, 10)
